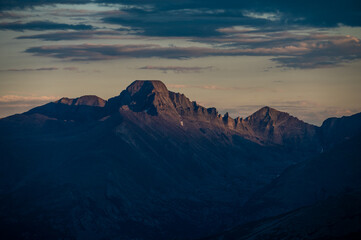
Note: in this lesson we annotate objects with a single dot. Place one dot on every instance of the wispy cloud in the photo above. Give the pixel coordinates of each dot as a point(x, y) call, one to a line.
point(10, 15)
point(42, 25)
point(71, 68)
point(218, 87)
point(12, 104)
point(177, 69)
point(315, 52)
point(92, 52)
point(80, 35)
point(200, 13)
point(281, 32)
point(16, 99)
point(39, 69)
point(29, 69)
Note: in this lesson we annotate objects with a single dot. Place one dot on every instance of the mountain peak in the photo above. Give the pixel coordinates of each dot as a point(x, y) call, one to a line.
point(146, 86)
point(267, 113)
point(150, 96)
point(87, 100)
point(279, 127)
point(266, 110)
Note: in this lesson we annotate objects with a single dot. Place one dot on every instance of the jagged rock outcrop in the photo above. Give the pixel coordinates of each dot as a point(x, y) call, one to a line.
point(153, 97)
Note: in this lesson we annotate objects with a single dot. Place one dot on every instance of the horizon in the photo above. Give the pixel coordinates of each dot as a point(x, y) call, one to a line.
point(236, 57)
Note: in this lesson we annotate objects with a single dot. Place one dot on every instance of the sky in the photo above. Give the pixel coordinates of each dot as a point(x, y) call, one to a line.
point(302, 57)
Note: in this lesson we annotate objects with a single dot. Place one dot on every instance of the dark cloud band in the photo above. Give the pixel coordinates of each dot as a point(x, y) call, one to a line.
point(305, 54)
point(42, 25)
point(176, 69)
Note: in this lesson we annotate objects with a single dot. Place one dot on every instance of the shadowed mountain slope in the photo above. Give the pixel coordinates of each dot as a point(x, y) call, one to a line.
point(333, 172)
point(335, 218)
point(329, 185)
point(336, 130)
point(85, 108)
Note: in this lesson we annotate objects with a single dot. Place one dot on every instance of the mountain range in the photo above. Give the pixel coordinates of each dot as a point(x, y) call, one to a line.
point(151, 164)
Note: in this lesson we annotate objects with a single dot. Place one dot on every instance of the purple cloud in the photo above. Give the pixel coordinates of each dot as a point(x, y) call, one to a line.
point(314, 52)
point(176, 69)
point(30, 69)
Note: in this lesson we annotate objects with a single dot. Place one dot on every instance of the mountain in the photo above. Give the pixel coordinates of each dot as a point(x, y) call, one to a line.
point(146, 164)
point(272, 126)
point(80, 109)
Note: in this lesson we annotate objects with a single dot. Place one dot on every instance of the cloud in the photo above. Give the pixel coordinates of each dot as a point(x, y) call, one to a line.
point(42, 25)
point(217, 87)
point(302, 12)
point(79, 35)
point(39, 69)
point(10, 15)
point(20, 4)
point(275, 29)
point(206, 87)
point(201, 19)
point(29, 69)
point(176, 69)
point(69, 12)
point(92, 52)
point(71, 68)
point(325, 54)
point(12, 104)
point(16, 99)
point(314, 51)
point(181, 22)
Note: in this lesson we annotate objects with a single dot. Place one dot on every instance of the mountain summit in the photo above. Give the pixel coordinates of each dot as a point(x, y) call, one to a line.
point(146, 87)
point(281, 128)
point(150, 96)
